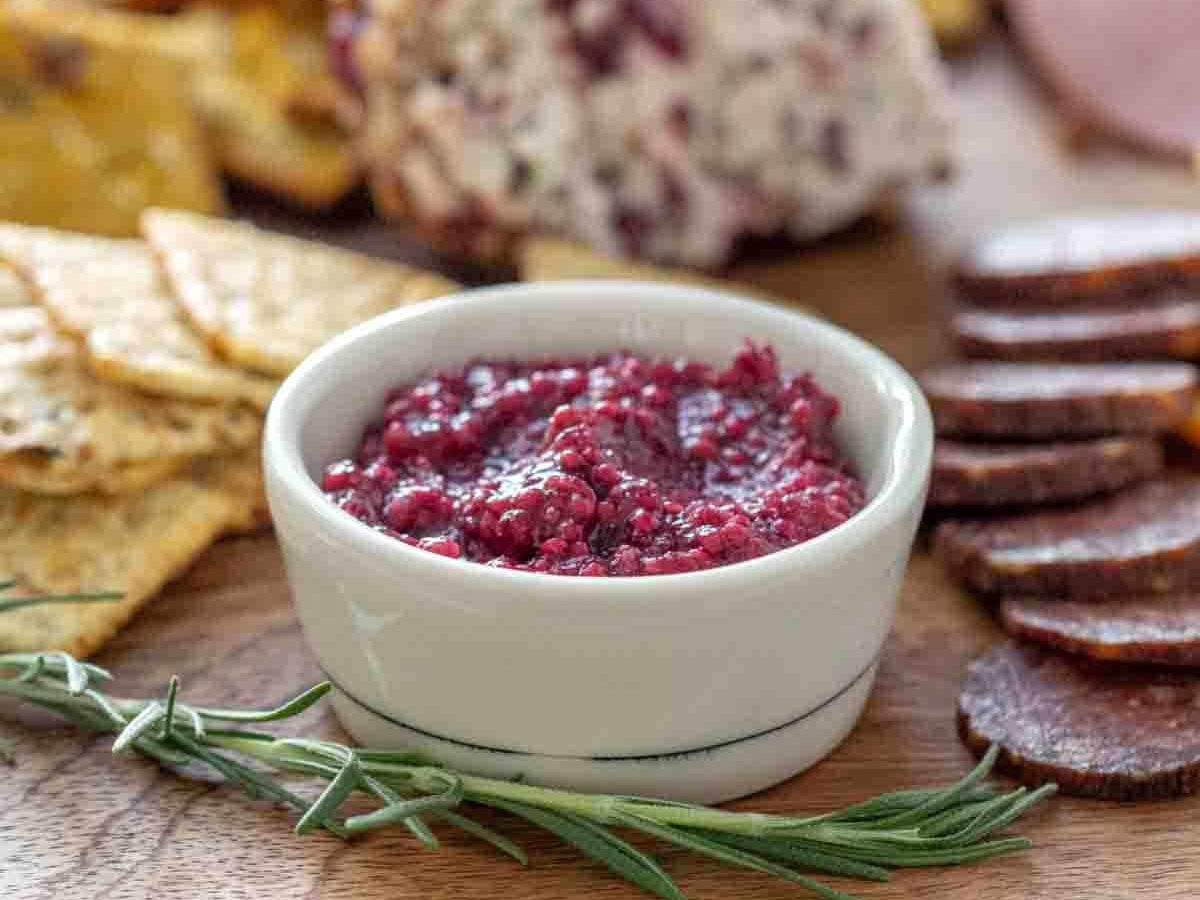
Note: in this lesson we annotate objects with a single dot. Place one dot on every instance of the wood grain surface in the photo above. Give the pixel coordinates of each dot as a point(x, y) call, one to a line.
point(75, 822)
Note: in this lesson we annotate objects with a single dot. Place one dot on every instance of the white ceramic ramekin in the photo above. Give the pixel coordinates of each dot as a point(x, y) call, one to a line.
point(702, 686)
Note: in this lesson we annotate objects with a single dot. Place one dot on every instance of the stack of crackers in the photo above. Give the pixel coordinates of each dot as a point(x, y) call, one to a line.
point(133, 378)
point(106, 111)
point(134, 374)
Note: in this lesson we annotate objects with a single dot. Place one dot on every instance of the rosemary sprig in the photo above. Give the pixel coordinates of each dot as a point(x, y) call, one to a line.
point(934, 827)
point(44, 599)
point(10, 604)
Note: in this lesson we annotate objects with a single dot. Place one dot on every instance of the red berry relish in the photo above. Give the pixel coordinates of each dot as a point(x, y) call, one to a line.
point(614, 465)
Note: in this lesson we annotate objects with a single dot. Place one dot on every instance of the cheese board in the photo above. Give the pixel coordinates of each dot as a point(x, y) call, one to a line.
point(74, 822)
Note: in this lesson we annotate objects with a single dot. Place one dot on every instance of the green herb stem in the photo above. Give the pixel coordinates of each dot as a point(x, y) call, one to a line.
point(8, 605)
point(926, 827)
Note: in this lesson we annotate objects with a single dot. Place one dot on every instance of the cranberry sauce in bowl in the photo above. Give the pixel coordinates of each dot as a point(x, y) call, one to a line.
point(609, 465)
point(547, 462)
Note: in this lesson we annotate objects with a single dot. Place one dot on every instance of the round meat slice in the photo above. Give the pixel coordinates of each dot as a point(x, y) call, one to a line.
point(1127, 68)
point(1149, 331)
point(1124, 733)
point(1144, 540)
point(1189, 430)
point(1088, 259)
point(1162, 630)
point(1041, 401)
point(985, 475)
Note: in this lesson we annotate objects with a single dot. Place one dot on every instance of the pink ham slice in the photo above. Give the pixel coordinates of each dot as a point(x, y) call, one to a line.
point(1128, 66)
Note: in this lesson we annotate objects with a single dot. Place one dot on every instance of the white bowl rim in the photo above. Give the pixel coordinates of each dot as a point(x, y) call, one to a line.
point(912, 442)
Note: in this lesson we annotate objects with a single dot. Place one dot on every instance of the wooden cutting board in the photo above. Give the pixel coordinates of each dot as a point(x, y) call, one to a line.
point(76, 823)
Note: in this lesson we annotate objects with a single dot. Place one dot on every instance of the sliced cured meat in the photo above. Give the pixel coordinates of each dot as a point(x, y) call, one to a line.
point(1189, 430)
point(1144, 540)
point(1127, 68)
point(1163, 630)
point(1149, 331)
point(1124, 733)
point(982, 475)
point(1040, 401)
point(1074, 259)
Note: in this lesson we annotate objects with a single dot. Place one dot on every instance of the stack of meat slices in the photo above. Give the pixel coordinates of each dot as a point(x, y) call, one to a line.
point(1077, 332)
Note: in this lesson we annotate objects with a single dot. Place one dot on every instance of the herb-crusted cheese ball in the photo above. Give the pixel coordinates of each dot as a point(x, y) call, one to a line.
point(657, 128)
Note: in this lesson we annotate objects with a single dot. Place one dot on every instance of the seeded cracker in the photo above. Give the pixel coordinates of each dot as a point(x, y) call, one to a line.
point(258, 70)
point(62, 431)
point(266, 300)
point(28, 339)
point(133, 544)
point(256, 67)
point(242, 479)
point(110, 294)
point(264, 130)
point(83, 145)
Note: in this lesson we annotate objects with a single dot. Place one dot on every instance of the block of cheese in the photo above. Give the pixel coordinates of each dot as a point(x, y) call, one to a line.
point(663, 129)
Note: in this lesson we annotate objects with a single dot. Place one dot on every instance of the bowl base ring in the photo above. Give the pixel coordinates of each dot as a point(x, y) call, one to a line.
point(714, 774)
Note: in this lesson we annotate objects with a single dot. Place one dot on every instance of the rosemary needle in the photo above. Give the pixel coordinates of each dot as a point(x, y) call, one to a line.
point(7, 605)
point(928, 827)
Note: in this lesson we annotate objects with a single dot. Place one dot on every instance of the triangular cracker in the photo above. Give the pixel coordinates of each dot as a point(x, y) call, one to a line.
point(92, 130)
point(27, 338)
point(557, 259)
point(244, 482)
point(266, 300)
point(133, 544)
point(62, 431)
point(110, 294)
